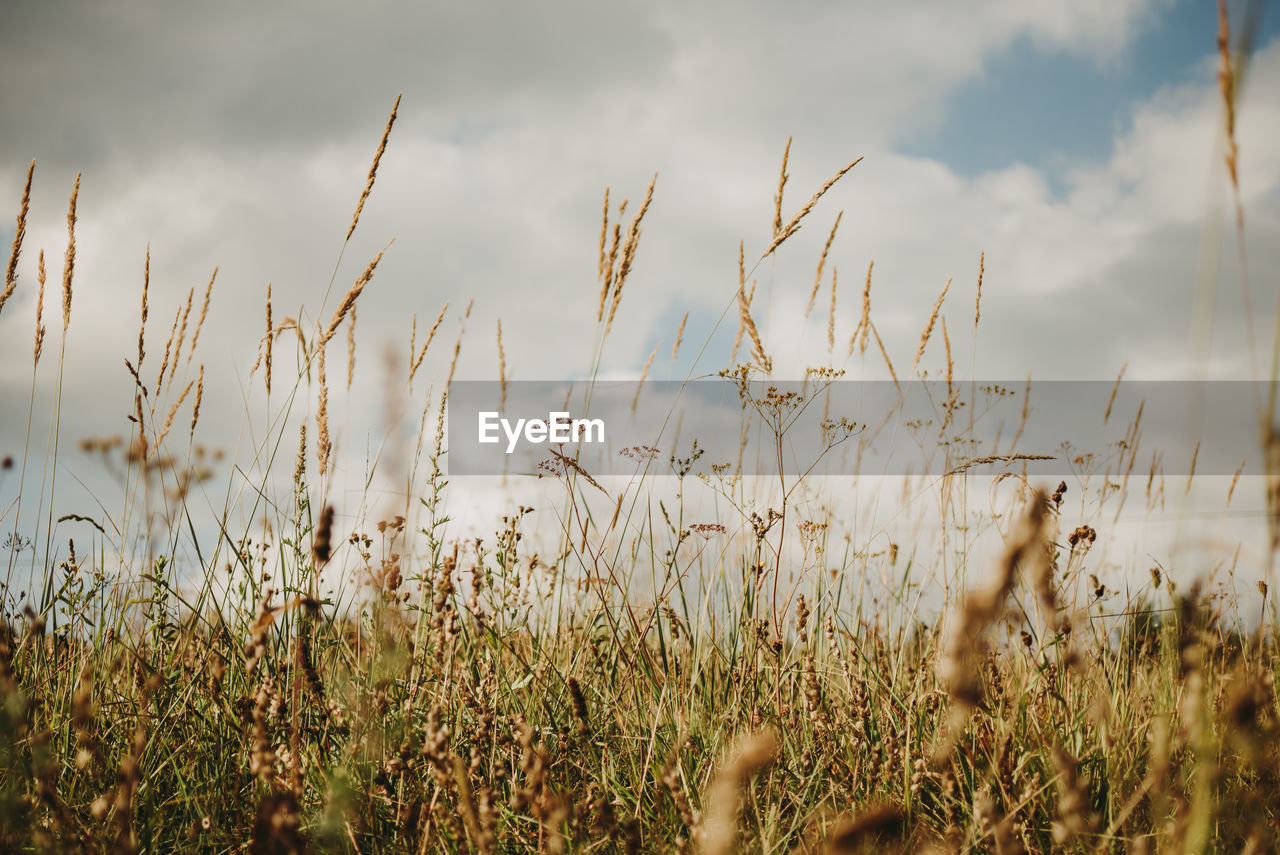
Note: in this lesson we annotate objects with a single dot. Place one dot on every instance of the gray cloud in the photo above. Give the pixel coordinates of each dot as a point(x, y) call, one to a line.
point(126, 83)
point(240, 137)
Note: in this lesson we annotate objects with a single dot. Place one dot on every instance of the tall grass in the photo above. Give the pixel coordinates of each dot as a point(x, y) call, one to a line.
point(663, 681)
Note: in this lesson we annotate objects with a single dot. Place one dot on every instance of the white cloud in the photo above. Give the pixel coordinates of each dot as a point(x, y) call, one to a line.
point(492, 182)
point(1095, 253)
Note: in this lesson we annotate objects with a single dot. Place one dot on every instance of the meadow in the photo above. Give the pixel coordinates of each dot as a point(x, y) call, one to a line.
point(188, 683)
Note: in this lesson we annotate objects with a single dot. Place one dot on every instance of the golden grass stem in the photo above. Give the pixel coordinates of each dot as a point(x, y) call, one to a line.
point(373, 170)
point(675, 348)
point(928, 327)
point(168, 422)
point(268, 343)
point(782, 183)
point(348, 301)
point(977, 300)
point(351, 348)
point(643, 376)
point(142, 324)
point(195, 408)
point(629, 247)
point(204, 312)
point(182, 336)
point(863, 329)
point(324, 446)
point(793, 226)
point(746, 323)
point(831, 318)
point(1106, 416)
point(884, 353)
point(822, 260)
point(40, 327)
point(69, 265)
point(430, 335)
point(19, 233)
point(604, 236)
point(502, 370)
point(168, 348)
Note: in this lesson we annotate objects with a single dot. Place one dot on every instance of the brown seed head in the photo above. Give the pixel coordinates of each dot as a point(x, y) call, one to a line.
point(373, 170)
point(822, 260)
point(204, 312)
point(40, 327)
point(69, 266)
point(782, 182)
point(20, 232)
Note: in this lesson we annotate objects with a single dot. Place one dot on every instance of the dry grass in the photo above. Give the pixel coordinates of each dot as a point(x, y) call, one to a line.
point(324, 443)
point(204, 313)
point(40, 327)
point(781, 234)
point(502, 369)
point(822, 260)
point(19, 233)
point(616, 280)
point(373, 169)
point(168, 349)
point(644, 374)
point(927, 332)
point(69, 263)
point(831, 316)
point(496, 695)
point(417, 360)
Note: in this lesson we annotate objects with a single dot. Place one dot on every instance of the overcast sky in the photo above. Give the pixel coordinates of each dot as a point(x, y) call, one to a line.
point(1076, 143)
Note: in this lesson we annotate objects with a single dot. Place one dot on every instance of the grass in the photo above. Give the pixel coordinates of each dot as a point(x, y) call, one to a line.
point(658, 684)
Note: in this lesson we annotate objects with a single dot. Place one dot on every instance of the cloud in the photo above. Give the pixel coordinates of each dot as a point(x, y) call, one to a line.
point(132, 82)
point(1108, 270)
point(241, 138)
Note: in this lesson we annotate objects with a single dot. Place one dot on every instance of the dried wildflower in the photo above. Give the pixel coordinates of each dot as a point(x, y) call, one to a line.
point(1083, 536)
point(640, 453)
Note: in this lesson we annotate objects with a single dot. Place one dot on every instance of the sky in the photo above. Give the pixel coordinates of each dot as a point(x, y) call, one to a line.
point(1075, 146)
